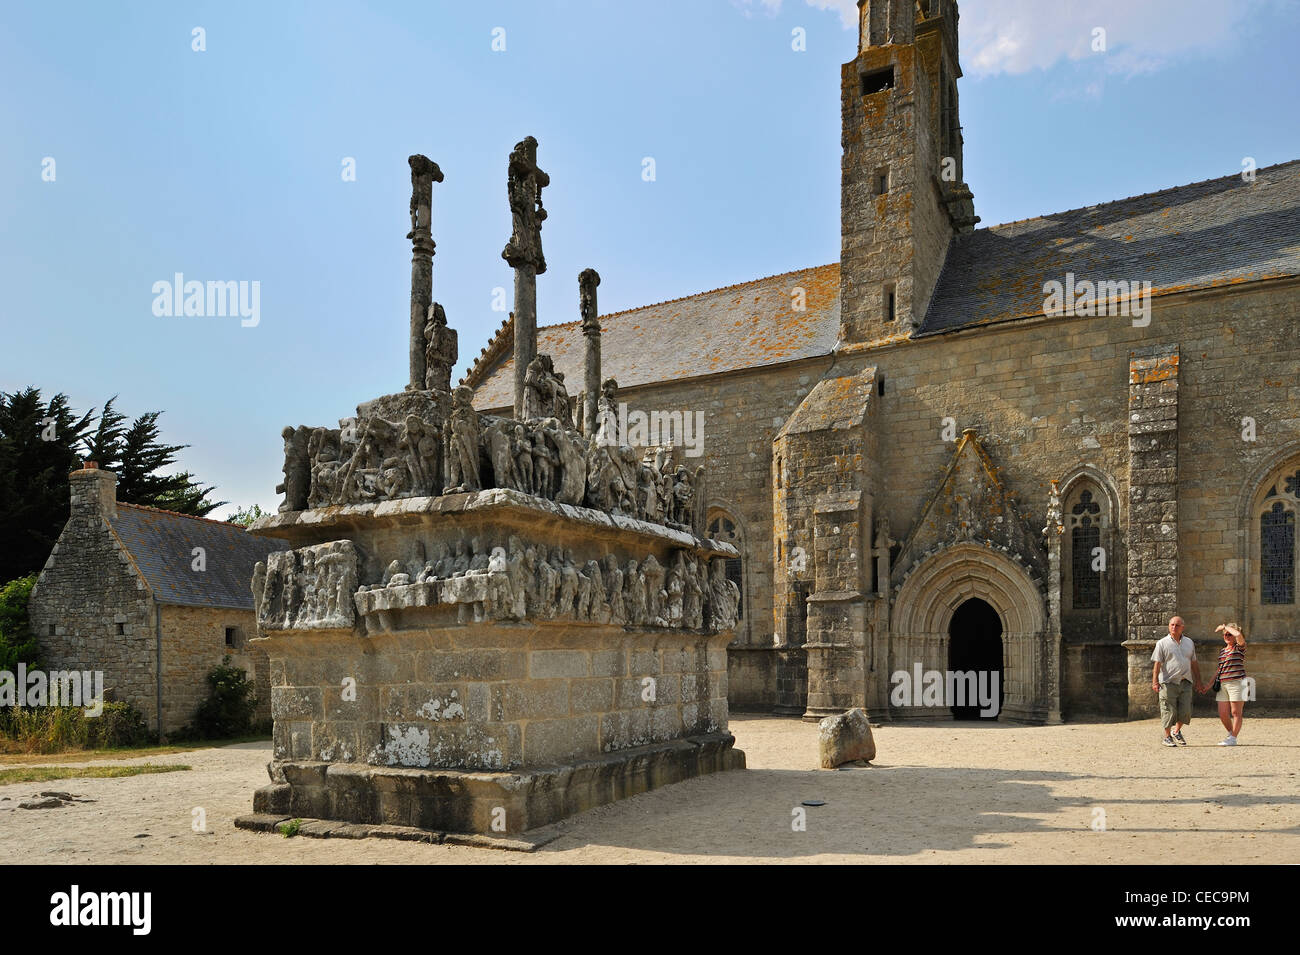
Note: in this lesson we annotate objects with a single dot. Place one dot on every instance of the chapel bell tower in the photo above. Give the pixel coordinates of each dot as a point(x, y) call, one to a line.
point(903, 196)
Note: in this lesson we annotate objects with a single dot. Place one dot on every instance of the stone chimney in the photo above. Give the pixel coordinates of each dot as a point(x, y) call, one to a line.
point(94, 492)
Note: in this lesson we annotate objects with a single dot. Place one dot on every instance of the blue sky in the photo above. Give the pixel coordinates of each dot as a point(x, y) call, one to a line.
point(225, 164)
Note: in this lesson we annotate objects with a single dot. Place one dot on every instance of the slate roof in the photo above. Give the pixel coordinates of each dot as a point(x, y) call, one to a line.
point(1216, 233)
point(162, 544)
point(741, 326)
point(1204, 235)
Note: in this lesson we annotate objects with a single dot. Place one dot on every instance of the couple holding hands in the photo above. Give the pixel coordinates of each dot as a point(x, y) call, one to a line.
point(1175, 673)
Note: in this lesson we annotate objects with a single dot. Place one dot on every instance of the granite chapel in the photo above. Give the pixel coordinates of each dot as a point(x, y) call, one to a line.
point(1015, 449)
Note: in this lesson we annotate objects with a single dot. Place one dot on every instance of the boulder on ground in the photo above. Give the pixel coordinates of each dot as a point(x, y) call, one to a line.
point(845, 738)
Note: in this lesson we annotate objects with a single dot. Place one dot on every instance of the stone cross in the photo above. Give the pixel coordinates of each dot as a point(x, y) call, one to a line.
point(524, 183)
point(587, 282)
point(424, 173)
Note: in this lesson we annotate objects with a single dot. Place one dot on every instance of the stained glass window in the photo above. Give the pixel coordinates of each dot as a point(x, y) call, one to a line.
point(1277, 555)
point(1085, 537)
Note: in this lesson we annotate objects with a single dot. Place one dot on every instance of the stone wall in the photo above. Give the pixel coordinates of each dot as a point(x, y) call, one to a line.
point(491, 697)
point(90, 609)
point(194, 641)
point(1047, 397)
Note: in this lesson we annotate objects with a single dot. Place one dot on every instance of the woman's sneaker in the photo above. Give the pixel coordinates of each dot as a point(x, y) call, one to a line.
point(1168, 741)
point(1230, 741)
point(1179, 736)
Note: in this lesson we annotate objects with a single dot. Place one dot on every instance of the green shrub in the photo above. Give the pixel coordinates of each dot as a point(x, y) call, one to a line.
point(56, 729)
point(17, 642)
point(228, 710)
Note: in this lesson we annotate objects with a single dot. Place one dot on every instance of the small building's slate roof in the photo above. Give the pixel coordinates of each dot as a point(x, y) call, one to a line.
point(741, 326)
point(162, 545)
point(1204, 235)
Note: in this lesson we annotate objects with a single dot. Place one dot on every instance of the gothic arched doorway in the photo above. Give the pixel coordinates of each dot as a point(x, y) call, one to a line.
point(975, 647)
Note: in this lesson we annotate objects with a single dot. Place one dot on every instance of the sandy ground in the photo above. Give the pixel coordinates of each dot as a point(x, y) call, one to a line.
point(941, 793)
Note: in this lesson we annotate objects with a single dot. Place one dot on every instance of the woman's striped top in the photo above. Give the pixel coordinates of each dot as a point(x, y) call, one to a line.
point(1232, 663)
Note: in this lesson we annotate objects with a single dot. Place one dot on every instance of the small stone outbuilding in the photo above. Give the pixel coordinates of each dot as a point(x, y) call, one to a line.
point(152, 598)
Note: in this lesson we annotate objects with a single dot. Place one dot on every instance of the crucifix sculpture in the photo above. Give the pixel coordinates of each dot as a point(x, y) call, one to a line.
point(524, 183)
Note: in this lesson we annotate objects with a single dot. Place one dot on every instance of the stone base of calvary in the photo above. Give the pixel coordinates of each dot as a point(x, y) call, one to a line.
point(486, 624)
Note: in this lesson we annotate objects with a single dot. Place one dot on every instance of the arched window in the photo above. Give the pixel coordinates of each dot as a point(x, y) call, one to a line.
point(1085, 553)
point(1277, 541)
point(722, 527)
point(1085, 558)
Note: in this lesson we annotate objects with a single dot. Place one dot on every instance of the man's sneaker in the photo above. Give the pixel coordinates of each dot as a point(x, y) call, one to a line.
point(1230, 741)
point(1168, 741)
point(1179, 736)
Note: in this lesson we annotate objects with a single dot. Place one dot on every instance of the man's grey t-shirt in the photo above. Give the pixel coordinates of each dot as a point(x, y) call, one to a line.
point(1175, 659)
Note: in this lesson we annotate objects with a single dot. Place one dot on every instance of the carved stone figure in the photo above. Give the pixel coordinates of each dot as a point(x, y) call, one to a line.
point(424, 173)
point(683, 510)
point(440, 349)
point(522, 577)
point(521, 448)
point(538, 393)
point(498, 436)
point(464, 450)
point(545, 460)
point(663, 460)
point(480, 557)
point(442, 561)
point(653, 573)
point(614, 590)
point(571, 450)
point(607, 434)
point(393, 479)
point(502, 602)
point(647, 495)
point(524, 183)
point(674, 589)
point(459, 559)
point(627, 466)
point(323, 451)
point(297, 469)
point(548, 588)
point(724, 597)
point(634, 595)
point(413, 433)
point(597, 602)
point(693, 598)
point(568, 584)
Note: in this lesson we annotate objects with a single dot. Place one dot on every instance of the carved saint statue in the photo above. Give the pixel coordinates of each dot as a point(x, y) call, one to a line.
point(440, 350)
point(464, 449)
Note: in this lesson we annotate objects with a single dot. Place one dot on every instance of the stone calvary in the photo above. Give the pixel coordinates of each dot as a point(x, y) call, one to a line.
point(486, 623)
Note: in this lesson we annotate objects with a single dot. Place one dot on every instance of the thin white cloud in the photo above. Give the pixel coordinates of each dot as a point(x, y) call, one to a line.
point(1018, 36)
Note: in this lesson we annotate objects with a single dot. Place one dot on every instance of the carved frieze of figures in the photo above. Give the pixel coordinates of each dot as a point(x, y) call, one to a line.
point(430, 443)
point(310, 588)
point(514, 581)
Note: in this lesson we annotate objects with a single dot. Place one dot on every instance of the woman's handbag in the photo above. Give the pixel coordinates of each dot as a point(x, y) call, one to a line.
point(1216, 685)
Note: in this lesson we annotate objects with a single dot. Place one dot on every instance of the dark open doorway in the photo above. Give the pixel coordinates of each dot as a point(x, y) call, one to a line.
point(975, 646)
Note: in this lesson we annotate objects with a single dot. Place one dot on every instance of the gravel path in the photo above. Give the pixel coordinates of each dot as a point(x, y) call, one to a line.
point(941, 793)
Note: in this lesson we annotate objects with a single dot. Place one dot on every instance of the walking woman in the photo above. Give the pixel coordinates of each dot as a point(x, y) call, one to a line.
point(1230, 682)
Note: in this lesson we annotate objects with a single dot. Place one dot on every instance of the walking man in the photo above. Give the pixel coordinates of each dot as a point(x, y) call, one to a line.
point(1173, 670)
